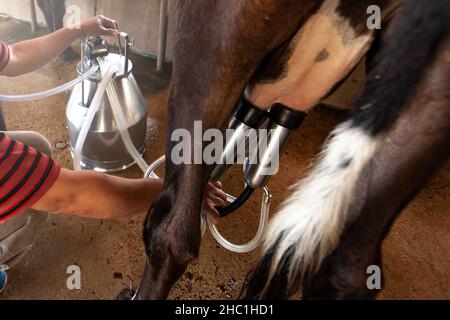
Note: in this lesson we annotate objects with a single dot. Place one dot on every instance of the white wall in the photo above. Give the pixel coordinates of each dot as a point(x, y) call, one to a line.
point(20, 9)
point(139, 18)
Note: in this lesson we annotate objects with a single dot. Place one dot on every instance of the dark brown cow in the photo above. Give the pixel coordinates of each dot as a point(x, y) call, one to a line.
point(295, 52)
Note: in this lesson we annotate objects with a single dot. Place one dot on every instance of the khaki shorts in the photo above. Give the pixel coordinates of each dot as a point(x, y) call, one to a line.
point(18, 234)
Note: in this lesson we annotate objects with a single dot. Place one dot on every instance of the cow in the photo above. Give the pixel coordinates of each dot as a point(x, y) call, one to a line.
point(297, 52)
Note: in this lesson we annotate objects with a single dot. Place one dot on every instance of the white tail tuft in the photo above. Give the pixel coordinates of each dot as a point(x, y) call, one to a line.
point(310, 222)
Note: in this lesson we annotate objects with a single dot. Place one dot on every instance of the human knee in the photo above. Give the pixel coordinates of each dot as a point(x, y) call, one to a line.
point(32, 139)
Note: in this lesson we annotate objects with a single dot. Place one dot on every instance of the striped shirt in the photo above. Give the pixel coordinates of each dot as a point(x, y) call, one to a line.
point(4, 55)
point(25, 176)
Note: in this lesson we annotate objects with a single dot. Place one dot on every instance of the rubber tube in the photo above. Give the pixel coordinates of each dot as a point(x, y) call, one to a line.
point(92, 111)
point(236, 204)
point(207, 223)
point(51, 92)
point(257, 239)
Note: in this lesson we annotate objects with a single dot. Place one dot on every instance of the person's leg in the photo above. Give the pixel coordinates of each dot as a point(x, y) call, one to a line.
point(54, 12)
point(32, 139)
point(59, 11)
point(18, 234)
point(44, 5)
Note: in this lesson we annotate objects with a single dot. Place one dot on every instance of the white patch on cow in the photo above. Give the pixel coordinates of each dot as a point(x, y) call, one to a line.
point(308, 77)
point(309, 224)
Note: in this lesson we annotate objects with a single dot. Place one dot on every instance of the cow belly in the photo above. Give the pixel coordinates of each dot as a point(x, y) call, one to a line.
point(323, 52)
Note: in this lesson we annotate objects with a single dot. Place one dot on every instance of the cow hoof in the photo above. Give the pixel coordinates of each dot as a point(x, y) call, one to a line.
point(126, 294)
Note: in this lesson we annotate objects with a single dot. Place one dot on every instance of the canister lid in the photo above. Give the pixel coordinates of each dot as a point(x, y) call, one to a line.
point(112, 59)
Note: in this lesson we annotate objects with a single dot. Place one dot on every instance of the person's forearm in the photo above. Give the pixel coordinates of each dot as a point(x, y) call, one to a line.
point(109, 197)
point(30, 55)
point(99, 196)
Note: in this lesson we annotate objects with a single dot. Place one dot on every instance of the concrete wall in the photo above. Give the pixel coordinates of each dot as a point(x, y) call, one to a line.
point(139, 18)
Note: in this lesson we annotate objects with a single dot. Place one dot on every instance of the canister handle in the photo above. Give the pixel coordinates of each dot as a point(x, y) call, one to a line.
point(119, 38)
point(128, 42)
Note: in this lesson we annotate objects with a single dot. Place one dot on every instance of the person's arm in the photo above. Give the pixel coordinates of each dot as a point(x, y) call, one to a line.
point(30, 55)
point(100, 196)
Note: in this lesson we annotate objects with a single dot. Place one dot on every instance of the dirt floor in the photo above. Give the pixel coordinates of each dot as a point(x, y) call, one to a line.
point(416, 256)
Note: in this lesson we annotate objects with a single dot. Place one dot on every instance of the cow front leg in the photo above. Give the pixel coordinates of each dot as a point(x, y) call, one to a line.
point(172, 237)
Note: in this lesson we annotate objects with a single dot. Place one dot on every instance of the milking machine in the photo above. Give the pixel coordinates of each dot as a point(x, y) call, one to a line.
point(108, 132)
point(258, 166)
point(263, 163)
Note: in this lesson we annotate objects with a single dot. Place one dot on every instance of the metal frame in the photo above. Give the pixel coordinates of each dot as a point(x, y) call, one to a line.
point(162, 41)
point(33, 16)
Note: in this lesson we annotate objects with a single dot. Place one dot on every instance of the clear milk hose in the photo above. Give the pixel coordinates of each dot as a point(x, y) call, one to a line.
point(206, 222)
point(92, 111)
point(51, 92)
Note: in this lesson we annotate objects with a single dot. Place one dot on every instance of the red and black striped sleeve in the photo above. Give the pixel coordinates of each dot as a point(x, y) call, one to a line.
point(25, 176)
point(4, 55)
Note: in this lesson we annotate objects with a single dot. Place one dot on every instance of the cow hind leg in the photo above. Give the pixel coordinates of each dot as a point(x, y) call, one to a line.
point(405, 159)
point(310, 223)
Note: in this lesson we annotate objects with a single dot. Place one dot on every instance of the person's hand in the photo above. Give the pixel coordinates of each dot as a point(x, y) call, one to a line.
point(213, 197)
point(99, 26)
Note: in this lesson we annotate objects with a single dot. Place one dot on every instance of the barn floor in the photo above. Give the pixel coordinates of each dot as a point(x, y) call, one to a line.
point(111, 253)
